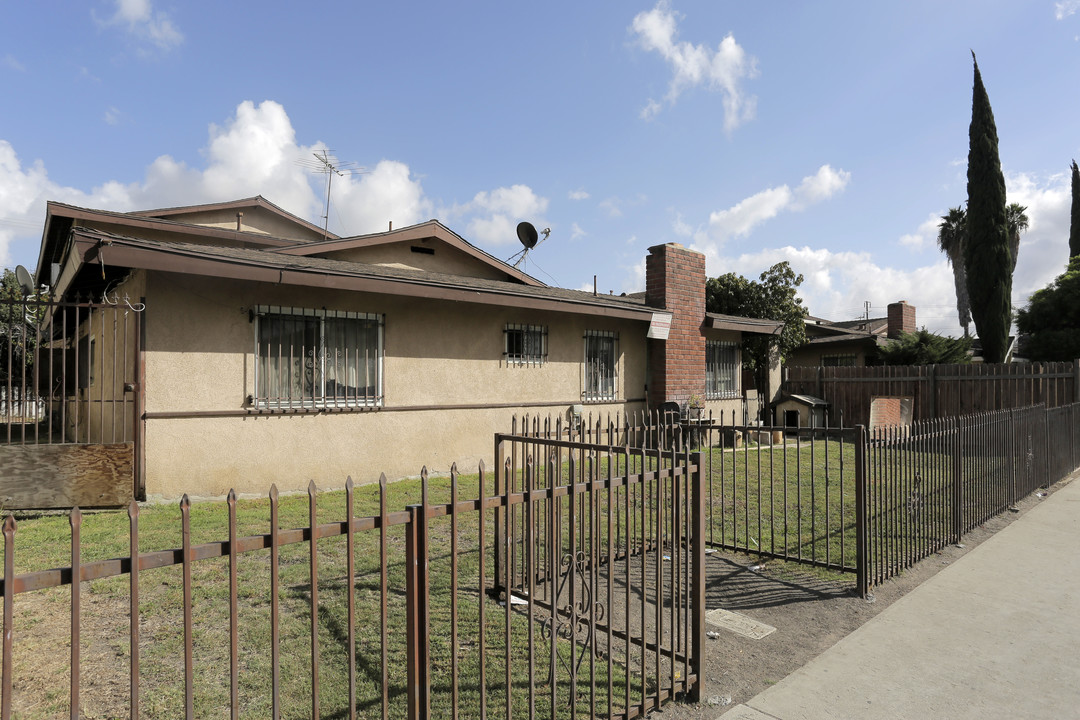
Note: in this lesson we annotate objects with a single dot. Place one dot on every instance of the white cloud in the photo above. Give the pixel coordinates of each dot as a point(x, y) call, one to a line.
point(739, 220)
point(495, 214)
point(576, 231)
point(822, 185)
point(579, 194)
point(10, 62)
point(370, 202)
point(836, 284)
point(742, 218)
point(611, 206)
point(144, 23)
point(724, 69)
point(651, 110)
point(1044, 247)
point(680, 227)
point(925, 235)
point(254, 153)
point(1066, 8)
point(112, 116)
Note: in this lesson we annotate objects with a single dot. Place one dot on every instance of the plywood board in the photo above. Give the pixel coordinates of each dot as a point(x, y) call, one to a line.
point(65, 475)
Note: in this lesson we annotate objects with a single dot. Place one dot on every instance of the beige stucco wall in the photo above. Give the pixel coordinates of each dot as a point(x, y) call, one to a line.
point(447, 388)
point(445, 259)
point(812, 355)
point(259, 220)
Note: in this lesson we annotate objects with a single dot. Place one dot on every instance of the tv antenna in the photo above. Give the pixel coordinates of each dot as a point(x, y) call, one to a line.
point(528, 236)
point(330, 166)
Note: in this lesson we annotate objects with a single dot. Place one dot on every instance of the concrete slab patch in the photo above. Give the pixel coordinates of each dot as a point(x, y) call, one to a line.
point(738, 623)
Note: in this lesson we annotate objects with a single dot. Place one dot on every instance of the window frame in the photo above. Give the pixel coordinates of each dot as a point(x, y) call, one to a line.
point(594, 340)
point(318, 398)
point(714, 376)
point(533, 337)
point(852, 357)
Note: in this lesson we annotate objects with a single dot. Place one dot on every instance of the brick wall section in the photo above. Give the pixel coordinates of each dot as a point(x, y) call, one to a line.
point(901, 319)
point(675, 281)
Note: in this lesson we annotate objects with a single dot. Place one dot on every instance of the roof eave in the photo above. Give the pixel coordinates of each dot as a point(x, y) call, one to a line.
point(114, 252)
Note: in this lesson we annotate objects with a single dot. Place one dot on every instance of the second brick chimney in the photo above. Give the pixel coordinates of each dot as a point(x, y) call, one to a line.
point(675, 281)
point(901, 319)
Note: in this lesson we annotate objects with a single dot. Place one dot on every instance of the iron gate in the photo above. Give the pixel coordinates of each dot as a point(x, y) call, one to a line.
point(604, 548)
point(70, 403)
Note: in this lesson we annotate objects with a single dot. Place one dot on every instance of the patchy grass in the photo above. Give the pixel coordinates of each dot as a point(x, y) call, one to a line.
point(42, 667)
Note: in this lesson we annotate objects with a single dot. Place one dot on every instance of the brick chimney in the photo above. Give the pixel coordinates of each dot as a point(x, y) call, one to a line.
point(901, 319)
point(675, 281)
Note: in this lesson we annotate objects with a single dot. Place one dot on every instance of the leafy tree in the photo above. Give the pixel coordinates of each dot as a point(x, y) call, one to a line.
point(925, 348)
point(1051, 320)
point(772, 297)
point(1074, 224)
point(951, 234)
point(986, 250)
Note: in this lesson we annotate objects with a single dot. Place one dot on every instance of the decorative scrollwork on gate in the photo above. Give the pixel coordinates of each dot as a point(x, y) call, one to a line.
point(570, 618)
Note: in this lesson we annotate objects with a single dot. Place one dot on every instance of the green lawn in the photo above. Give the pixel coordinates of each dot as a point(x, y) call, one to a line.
point(44, 542)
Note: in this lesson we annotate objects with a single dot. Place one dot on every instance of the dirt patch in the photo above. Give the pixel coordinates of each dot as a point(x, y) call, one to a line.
point(810, 615)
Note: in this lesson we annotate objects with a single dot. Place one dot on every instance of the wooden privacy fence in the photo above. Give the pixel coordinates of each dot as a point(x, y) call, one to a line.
point(360, 611)
point(936, 390)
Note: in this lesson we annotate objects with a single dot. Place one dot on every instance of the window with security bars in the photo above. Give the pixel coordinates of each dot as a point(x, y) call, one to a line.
point(721, 370)
point(525, 344)
point(308, 358)
point(601, 363)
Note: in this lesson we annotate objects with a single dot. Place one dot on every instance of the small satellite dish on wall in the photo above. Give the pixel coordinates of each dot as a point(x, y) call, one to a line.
point(527, 235)
point(25, 279)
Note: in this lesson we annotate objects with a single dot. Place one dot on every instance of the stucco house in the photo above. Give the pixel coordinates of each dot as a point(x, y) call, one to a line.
point(851, 343)
point(270, 351)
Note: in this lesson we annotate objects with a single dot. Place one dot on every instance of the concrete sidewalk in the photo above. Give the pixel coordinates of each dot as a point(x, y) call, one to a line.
point(995, 635)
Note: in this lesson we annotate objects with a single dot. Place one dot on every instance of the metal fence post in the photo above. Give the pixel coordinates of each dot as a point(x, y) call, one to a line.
point(418, 656)
point(862, 560)
point(499, 548)
point(698, 577)
point(957, 481)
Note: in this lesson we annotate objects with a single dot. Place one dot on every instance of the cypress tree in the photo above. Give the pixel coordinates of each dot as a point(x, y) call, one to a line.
point(1074, 226)
point(986, 252)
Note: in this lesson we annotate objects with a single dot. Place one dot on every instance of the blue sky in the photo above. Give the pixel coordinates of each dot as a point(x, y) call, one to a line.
point(830, 134)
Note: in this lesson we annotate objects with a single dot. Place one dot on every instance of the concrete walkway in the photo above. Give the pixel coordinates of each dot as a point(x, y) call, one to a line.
point(994, 635)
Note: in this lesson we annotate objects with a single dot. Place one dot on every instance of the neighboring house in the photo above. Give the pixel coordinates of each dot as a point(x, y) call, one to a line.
point(272, 352)
point(851, 343)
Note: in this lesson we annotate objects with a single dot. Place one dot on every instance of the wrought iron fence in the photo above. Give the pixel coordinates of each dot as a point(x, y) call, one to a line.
point(605, 619)
point(926, 485)
point(869, 503)
point(68, 372)
point(607, 545)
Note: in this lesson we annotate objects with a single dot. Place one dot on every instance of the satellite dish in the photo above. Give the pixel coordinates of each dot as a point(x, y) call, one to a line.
point(527, 235)
point(26, 280)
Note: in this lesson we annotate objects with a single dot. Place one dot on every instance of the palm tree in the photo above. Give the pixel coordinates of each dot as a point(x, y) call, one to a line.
point(952, 233)
point(1017, 220)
